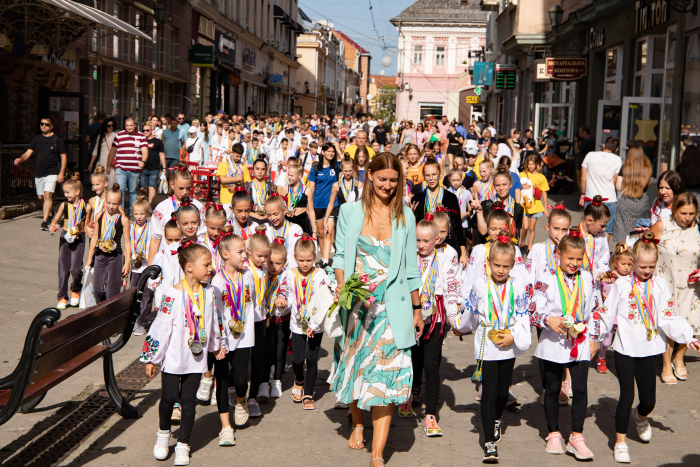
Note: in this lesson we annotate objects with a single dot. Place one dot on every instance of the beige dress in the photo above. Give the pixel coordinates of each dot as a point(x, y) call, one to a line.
point(679, 255)
point(104, 148)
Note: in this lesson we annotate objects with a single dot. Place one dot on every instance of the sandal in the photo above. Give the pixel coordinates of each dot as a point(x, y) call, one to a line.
point(296, 392)
point(678, 376)
point(308, 403)
point(371, 464)
point(669, 383)
point(359, 444)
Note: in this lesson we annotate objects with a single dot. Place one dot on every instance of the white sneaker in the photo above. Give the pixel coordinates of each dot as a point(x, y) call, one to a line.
point(276, 389)
point(264, 391)
point(138, 330)
point(212, 401)
point(204, 390)
point(622, 453)
point(182, 454)
point(643, 426)
point(62, 304)
point(240, 414)
point(161, 449)
point(75, 301)
point(226, 437)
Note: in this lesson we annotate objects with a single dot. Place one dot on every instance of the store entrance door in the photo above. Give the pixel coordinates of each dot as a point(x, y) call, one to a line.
point(608, 123)
point(557, 116)
point(641, 124)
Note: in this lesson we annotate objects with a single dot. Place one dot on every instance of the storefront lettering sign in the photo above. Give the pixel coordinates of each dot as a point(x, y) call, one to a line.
point(649, 16)
point(30, 71)
point(596, 38)
point(567, 69)
point(473, 100)
point(202, 55)
point(226, 44)
point(206, 28)
point(276, 78)
point(249, 57)
point(541, 71)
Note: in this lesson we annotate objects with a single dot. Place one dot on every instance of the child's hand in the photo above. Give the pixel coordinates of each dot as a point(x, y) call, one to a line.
point(221, 353)
point(594, 349)
point(507, 340)
point(125, 269)
point(281, 302)
point(151, 370)
point(310, 332)
point(557, 324)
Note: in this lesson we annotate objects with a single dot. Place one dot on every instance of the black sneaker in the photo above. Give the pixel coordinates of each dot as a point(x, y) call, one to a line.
point(497, 431)
point(490, 453)
point(45, 225)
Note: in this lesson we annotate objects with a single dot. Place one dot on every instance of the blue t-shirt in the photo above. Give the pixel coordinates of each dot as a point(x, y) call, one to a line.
point(172, 142)
point(516, 184)
point(205, 144)
point(324, 179)
point(184, 128)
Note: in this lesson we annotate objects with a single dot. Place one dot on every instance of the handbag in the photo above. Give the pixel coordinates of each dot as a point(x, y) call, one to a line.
point(319, 305)
point(537, 193)
point(191, 148)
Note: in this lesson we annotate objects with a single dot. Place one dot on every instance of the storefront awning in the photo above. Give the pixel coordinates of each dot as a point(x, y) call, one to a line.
point(97, 16)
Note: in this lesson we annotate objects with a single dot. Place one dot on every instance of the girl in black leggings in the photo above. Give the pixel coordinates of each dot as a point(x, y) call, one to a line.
point(646, 319)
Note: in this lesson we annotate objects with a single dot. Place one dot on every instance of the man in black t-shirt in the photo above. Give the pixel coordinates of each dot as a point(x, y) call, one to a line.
point(153, 165)
point(380, 131)
point(49, 165)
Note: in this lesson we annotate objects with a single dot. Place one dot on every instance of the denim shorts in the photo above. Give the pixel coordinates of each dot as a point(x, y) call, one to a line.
point(149, 178)
point(535, 215)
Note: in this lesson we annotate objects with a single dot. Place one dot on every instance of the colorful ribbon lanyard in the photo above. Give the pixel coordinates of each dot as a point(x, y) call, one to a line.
point(260, 194)
point(305, 294)
point(496, 306)
point(295, 195)
point(571, 301)
point(99, 205)
point(589, 258)
point(487, 268)
point(233, 168)
point(284, 228)
point(138, 239)
point(260, 282)
point(109, 227)
point(428, 288)
point(195, 323)
point(175, 203)
point(551, 259)
point(241, 232)
point(74, 214)
point(254, 153)
point(345, 190)
point(234, 294)
point(218, 260)
point(431, 201)
point(271, 292)
point(487, 192)
point(645, 303)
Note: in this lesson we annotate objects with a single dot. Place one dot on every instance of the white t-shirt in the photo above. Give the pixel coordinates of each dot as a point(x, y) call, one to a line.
point(600, 179)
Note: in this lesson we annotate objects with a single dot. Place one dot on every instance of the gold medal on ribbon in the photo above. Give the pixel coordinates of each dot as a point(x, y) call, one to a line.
point(73, 231)
point(423, 298)
point(649, 334)
point(290, 212)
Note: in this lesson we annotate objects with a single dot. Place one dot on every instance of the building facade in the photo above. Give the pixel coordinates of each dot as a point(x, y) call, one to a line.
point(358, 59)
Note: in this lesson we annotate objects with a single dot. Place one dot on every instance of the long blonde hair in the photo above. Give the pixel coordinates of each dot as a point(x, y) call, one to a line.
point(636, 173)
point(382, 161)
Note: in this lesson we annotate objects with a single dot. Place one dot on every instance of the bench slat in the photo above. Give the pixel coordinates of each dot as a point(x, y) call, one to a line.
point(86, 320)
point(58, 375)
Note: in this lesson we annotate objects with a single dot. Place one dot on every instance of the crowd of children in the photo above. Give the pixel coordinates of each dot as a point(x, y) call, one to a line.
point(237, 279)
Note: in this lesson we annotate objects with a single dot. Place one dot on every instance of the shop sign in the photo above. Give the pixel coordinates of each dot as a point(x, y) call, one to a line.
point(206, 28)
point(276, 78)
point(567, 69)
point(226, 44)
point(505, 76)
point(35, 72)
point(541, 71)
point(249, 57)
point(649, 16)
point(483, 73)
point(473, 99)
point(202, 55)
point(596, 38)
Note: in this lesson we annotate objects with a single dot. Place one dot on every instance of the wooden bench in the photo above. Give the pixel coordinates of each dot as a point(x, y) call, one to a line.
point(56, 350)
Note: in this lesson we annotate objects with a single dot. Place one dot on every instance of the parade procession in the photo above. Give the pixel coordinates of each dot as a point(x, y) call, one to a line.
point(208, 212)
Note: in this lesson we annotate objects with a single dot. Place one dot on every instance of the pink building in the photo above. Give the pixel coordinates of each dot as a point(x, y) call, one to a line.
point(435, 41)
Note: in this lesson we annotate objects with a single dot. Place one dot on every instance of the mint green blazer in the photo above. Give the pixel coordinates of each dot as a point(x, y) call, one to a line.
point(403, 275)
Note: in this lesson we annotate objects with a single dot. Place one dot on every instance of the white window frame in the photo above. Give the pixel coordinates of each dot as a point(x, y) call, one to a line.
point(648, 72)
point(418, 54)
point(440, 55)
point(617, 79)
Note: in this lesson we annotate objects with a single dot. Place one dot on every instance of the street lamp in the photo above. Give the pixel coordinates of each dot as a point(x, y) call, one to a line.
point(159, 13)
point(556, 14)
point(488, 56)
point(306, 85)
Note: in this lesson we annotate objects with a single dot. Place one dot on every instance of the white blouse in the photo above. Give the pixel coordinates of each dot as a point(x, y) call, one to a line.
point(476, 269)
point(260, 312)
point(170, 271)
point(475, 317)
point(601, 257)
point(631, 338)
point(288, 289)
point(546, 302)
point(291, 236)
point(167, 340)
point(162, 214)
point(447, 282)
point(536, 262)
point(224, 313)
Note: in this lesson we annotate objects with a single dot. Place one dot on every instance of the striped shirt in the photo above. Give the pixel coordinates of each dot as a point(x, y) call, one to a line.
point(129, 150)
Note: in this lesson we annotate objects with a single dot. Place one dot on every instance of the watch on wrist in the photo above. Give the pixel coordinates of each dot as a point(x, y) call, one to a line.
point(416, 307)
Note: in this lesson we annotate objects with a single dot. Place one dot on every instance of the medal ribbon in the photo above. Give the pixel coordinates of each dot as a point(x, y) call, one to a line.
point(175, 203)
point(345, 190)
point(234, 294)
point(589, 258)
point(260, 283)
point(241, 232)
point(487, 192)
point(644, 302)
point(431, 201)
point(284, 228)
point(260, 194)
point(233, 168)
point(551, 259)
point(294, 195)
point(218, 261)
point(75, 213)
point(271, 292)
point(429, 281)
point(99, 206)
point(138, 240)
point(195, 319)
point(496, 306)
point(109, 227)
point(306, 295)
point(571, 301)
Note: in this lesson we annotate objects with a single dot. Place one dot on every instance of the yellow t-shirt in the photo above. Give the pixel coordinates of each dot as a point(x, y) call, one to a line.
point(351, 150)
point(222, 171)
point(538, 181)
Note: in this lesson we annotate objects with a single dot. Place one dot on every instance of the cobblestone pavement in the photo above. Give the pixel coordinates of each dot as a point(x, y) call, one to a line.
point(287, 435)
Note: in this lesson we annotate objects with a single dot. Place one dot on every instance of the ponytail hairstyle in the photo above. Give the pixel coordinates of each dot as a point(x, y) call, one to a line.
point(215, 211)
point(573, 240)
point(115, 189)
point(305, 244)
point(501, 245)
point(429, 223)
point(349, 160)
point(504, 164)
point(559, 211)
point(99, 175)
point(186, 206)
point(498, 213)
point(190, 252)
point(74, 183)
point(172, 224)
point(259, 241)
point(227, 239)
point(646, 244)
point(596, 209)
point(621, 250)
point(277, 247)
point(180, 172)
point(142, 202)
point(503, 172)
point(277, 201)
point(262, 160)
point(240, 195)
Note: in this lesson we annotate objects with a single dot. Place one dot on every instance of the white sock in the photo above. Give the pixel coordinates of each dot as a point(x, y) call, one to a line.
point(325, 260)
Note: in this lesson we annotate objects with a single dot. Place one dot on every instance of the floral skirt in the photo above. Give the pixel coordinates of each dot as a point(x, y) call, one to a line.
point(370, 369)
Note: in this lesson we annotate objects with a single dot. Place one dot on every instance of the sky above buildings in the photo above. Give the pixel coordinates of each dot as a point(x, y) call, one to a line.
point(354, 18)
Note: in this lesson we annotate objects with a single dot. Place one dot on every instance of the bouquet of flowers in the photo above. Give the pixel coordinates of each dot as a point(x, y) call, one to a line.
point(356, 286)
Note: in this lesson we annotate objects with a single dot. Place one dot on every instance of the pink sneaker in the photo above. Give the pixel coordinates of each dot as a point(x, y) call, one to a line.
point(554, 444)
point(577, 447)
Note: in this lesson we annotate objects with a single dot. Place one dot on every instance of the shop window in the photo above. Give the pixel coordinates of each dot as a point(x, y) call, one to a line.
point(173, 39)
point(440, 56)
point(428, 109)
point(117, 49)
point(418, 55)
point(613, 73)
point(649, 66)
point(463, 55)
point(690, 115)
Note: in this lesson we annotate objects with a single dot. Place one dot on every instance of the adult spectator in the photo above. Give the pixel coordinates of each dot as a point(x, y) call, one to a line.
point(182, 125)
point(443, 127)
point(49, 165)
point(689, 169)
point(174, 142)
point(153, 165)
point(420, 136)
point(584, 144)
point(598, 174)
point(633, 203)
point(131, 151)
point(527, 143)
point(407, 134)
point(679, 257)
point(360, 140)
point(492, 129)
point(472, 135)
point(455, 142)
point(379, 134)
point(103, 144)
point(93, 130)
point(480, 123)
point(461, 130)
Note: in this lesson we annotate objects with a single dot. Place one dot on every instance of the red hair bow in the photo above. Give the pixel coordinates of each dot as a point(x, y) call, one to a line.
point(216, 242)
point(576, 233)
point(173, 215)
point(262, 230)
point(503, 238)
point(218, 207)
point(304, 236)
point(594, 203)
point(558, 206)
point(655, 241)
point(240, 188)
point(441, 209)
point(429, 217)
point(278, 240)
point(188, 243)
point(500, 208)
point(182, 169)
point(274, 193)
point(185, 202)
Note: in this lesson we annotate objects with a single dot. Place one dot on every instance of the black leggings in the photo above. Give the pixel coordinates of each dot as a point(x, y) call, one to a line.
point(629, 369)
point(306, 348)
point(426, 356)
point(540, 361)
point(579, 384)
point(276, 338)
point(232, 368)
point(184, 388)
point(495, 382)
point(257, 359)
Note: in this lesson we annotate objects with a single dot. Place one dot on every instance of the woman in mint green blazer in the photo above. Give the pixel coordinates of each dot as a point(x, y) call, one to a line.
point(372, 367)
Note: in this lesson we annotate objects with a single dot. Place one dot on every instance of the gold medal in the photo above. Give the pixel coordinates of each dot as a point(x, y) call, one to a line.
point(73, 231)
point(656, 332)
point(649, 334)
point(492, 335)
point(423, 298)
point(290, 212)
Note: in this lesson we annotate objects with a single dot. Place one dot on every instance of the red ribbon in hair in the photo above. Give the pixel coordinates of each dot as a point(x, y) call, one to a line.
point(274, 193)
point(304, 236)
point(182, 169)
point(239, 188)
point(216, 242)
point(503, 238)
point(499, 208)
point(594, 203)
point(185, 202)
point(188, 243)
point(429, 217)
point(441, 209)
point(576, 233)
point(261, 230)
point(558, 206)
point(655, 241)
point(173, 215)
point(280, 241)
point(218, 207)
